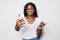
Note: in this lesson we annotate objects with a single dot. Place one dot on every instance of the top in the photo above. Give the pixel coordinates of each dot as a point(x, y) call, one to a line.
point(30, 30)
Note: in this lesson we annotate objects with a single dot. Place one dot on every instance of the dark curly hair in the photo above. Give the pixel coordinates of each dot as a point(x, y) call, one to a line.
point(33, 5)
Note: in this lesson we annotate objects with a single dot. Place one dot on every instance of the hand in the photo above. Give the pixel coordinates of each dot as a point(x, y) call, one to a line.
point(42, 24)
point(20, 22)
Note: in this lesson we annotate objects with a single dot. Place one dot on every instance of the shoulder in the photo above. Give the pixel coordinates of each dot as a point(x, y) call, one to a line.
point(39, 19)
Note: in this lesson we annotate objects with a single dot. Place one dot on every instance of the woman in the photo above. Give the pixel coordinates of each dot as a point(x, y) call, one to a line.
point(32, 22)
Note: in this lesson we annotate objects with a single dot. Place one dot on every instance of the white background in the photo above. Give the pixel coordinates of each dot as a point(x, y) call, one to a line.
point(48, 10)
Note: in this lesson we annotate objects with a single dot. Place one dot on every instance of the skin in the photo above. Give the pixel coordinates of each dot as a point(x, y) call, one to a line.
point(30, 19)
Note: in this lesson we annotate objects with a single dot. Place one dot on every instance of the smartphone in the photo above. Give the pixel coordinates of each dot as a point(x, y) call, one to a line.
point(20, 16)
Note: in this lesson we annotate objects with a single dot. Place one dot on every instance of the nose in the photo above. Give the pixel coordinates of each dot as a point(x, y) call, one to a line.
point(29, 10)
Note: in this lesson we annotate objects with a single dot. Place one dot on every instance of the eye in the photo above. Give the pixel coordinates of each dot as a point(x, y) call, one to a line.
point(30, 7)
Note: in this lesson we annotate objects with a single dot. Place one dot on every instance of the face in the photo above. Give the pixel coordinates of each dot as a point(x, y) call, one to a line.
point(30, 10)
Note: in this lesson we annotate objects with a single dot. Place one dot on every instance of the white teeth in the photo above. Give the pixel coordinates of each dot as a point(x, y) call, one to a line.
point(29, 13)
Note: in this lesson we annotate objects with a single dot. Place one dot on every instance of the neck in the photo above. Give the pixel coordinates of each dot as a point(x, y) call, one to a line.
point(31, 16)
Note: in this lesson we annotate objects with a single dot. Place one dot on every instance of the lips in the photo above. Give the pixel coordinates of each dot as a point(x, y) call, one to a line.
point(30, 13)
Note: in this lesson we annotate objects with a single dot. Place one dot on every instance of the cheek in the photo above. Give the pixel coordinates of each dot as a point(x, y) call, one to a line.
point(30, 11)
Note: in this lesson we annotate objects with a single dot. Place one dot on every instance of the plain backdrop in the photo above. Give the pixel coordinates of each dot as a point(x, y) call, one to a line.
point(48, 10)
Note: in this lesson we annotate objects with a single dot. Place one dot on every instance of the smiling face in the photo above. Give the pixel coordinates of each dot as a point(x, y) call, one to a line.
point(30, 10)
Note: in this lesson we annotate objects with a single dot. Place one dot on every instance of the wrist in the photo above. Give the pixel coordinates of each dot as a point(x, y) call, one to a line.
point(40, 27)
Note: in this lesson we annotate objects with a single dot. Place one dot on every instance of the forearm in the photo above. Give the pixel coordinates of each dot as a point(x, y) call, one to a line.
point(39, 32)
point(40, 28)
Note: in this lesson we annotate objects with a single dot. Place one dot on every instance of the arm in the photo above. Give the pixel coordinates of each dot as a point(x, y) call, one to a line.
point(16, 27)
point(19, 24)
point(39, 32)
point(40, 28)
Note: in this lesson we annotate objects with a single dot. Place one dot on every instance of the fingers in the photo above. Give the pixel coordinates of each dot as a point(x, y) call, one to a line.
point(20, 19)
point(20, 22)
point(42, 24)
